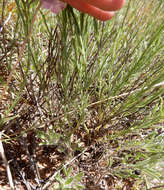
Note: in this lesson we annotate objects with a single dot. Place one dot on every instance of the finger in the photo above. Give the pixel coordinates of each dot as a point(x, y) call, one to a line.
point(91, 10)
point(107, 5)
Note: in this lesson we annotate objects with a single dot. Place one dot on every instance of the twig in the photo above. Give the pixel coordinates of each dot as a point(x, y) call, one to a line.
point(9, 175)
point(32, 160)
point(6, 21)
point(52, 178)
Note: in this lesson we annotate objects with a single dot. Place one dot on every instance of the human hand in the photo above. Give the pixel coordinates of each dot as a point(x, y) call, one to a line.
point(100, 9)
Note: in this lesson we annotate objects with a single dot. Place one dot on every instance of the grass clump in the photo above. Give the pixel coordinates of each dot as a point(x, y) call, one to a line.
point(85, 95)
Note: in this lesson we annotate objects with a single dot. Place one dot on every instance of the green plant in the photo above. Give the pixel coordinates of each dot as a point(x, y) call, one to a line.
point(69, 182)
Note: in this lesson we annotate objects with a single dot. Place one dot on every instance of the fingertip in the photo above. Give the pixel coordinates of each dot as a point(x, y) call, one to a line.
point(104, 16)
point(91, 10)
